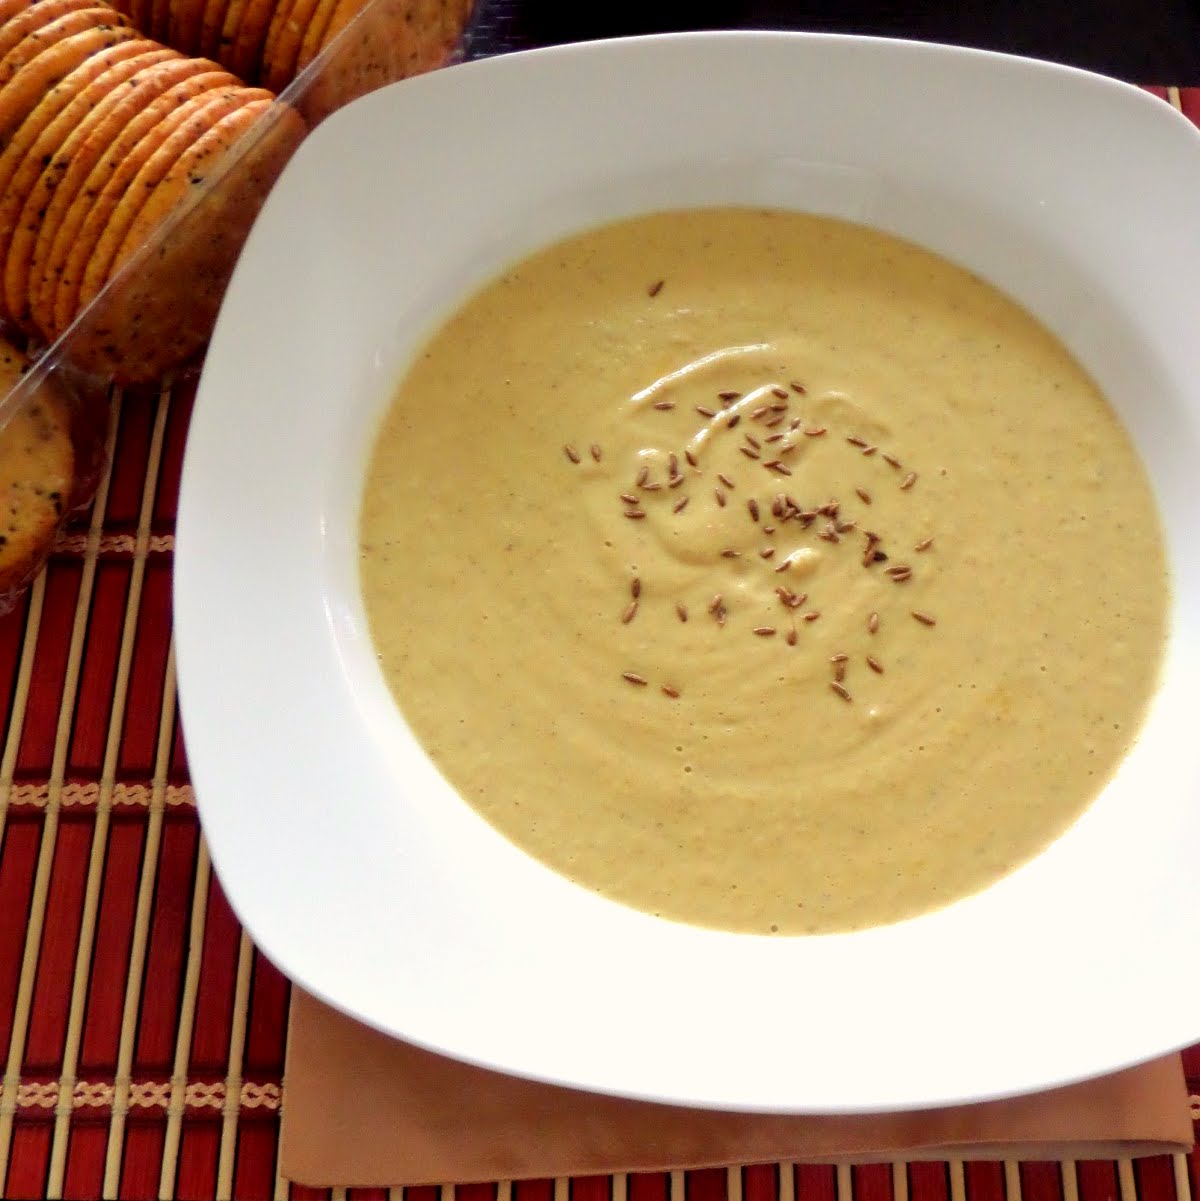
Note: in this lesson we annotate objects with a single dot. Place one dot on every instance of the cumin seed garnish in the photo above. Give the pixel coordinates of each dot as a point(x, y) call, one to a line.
point(778, 467)
point(839, 672)
point(664, 406)
point(796, 424)
point(749, 452)
point(869, 450)
point(630, 613)
point(726, 480)
point(924, 618)
point(760, 412)
point(776, 438)
point(791, 636)
point(899, 569)
point(812, 615)
point(704, 412)
point(863, 495)
point(828, 534)
point(681, 610)
point(768, 529)
point(729, 395)
point(676, 481)
point(715, 603)
point(752, 506)
point(691, 458)
point(815, 431)
point(780, 392)
point(721, 615)
point(765, 631)
point(680, 504)
point(630, 499)
point(635, 587)
point(633, 678)
point(597, 453)
point(730, 553)
point(873, 624)
point(672, 464)
point(770, 425)
point(779, 408)
point(571, 453)
point(668, 690)
point(766, 552)
point(840, 657)
point(635, 514)
point(844, 527)
point(732, 422)
point(787, 449)
point(857, 441)
point(797, 387)
point(642, 476)
point(652, 486)
point(785, 594)
point(890, 460)
point(719, 496)
point(908, 481)
point(841, 690)
point(784, 565)
point(924, 544)
point(875, 665)
point(656, 287)
point(753, 441)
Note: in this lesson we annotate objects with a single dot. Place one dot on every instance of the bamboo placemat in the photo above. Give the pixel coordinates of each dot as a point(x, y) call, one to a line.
point(143, 1035)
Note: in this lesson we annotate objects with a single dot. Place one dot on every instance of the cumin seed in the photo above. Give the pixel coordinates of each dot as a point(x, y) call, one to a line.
point(680, 505)
point(839, 672)
point(635, 514)
point(780, 392)
point(732, 422)
point(715, 603)
point(924, 544)
point(924, 618)
point(778, 467)
point(726, 480)
point(642, 476)
point(571, 453)
point(841, 690)
point(667, 690)
point(634, 678)
point(815, 431)
point(776, 437)
point(730, 553)
point(766, 552)
point(857, 441)
point(791, 636)
point(656, 287)
point(672, 464)
point(630, 499)
point(908, 481)
point(729, 395)
point(838, 658)
point(873, 624)
point(760, 412)
point(765, 631)
point(812, 615)
point(681, 610)
point(797, 387)
point(890, 460)
point(753, 441)
point(652, 486)
point(664, 406)
point(597, 453)
point(875, 665)
point(770, 425)
point(691, 458)
point(863, 495)
point(635, 587)
point(720, 497)
point(869, 450)
point(749, 452)
point(752, 506)
point(630, 613)
point(676, 481)
point(704, 412)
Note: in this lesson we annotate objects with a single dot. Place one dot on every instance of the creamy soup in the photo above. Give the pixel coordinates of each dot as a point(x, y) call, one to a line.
point(762, 571)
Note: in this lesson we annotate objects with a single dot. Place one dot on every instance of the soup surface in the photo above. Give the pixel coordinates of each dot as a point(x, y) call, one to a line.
point(762, 571)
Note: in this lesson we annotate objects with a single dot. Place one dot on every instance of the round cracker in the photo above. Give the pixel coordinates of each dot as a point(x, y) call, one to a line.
point(251, 37)
point(158, 25)
point(37, 474)
point(229, 29)
point(10, 9)
point(212, 22)
point(114, 139)
point(314, 37)
point(268, 70)
point(126, 197)
point(186, 19)
point(161, 311)
point(33, 17)
point(287, 49)
point(35, 176)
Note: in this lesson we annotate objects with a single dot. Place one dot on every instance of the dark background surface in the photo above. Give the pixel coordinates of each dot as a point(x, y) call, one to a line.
point(1142, 41)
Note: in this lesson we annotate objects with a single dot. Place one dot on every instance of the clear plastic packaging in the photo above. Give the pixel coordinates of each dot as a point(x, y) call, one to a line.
point(152, 320)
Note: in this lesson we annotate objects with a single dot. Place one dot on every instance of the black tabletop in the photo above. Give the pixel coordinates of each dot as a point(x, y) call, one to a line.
point(1143, 41)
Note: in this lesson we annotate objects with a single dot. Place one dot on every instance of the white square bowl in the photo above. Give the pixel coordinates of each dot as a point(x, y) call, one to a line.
point(353, 863)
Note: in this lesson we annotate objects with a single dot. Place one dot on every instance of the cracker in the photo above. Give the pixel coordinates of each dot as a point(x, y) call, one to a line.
point(161, 310)
point(314, 36)
point(187, 17)
point(37, 470)
point(251, 38)
point(159, 24)
point(34, 176)
point(212, 21)
point(287, 49)
point(229, 28)
point(128, 195)
point(55, 302)
point(33, 17)
point(10, 9)
point(268, 69)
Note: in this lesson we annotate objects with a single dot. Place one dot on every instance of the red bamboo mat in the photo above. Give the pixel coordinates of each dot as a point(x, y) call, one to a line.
point(143, 1035)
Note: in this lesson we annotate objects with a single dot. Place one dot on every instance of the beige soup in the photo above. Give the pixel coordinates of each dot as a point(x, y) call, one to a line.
point(762, 571)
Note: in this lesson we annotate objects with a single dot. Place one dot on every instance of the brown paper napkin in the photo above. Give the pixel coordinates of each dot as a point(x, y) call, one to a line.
point(361, 1109)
